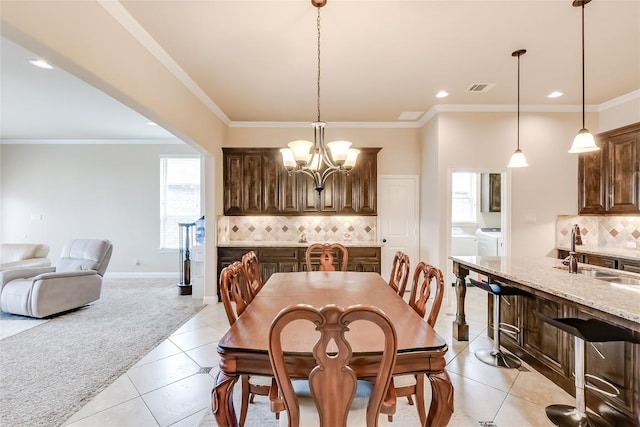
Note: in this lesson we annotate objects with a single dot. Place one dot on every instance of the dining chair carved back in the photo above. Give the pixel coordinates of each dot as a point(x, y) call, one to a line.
point(254, 274)
point(333, 393)
point(400, 271)
point(234, 293)
point(424, 278)
point(328, 253)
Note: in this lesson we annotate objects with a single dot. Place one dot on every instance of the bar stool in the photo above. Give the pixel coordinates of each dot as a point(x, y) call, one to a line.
point(495, 356)
point(591, 330)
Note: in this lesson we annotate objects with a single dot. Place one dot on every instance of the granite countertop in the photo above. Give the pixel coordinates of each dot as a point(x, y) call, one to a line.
point(289, 244)
point(539, 273)
point(630, 254)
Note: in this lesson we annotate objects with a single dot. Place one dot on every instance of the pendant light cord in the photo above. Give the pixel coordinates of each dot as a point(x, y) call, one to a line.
point(318, 26)
point(583, 114)
point(518, 102)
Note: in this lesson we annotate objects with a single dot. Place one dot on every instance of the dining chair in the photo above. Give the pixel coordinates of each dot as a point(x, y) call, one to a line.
point(327, 256)
point(400, 271)
point(233, 289)
point(332, 395)
point(424, 276)
point(251, 265)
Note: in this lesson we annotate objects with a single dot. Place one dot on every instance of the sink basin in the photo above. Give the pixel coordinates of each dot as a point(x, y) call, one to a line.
point(598, 274)
point(626, 281)
point(612, 278)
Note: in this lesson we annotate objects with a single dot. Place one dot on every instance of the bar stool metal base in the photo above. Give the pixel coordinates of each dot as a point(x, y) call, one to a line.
point(498, 359)
point(569, 416)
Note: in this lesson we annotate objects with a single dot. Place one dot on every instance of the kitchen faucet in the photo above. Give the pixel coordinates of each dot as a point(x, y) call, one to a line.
point(571, 260)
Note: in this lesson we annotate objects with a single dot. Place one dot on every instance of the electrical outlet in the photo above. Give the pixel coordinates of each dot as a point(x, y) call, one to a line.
point(631, 245)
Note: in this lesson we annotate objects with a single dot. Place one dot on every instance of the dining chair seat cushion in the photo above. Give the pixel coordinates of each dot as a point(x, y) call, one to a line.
point(259, 380)
point(400, 381)
point(309, 413)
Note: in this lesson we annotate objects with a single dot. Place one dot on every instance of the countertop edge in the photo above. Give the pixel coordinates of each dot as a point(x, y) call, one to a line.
point(546, 274)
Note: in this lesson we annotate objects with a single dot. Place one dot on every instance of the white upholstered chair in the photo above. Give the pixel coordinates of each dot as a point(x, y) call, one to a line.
point(76, 280)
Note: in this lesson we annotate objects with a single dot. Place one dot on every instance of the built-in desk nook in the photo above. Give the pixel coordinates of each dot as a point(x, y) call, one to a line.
point(549, 289)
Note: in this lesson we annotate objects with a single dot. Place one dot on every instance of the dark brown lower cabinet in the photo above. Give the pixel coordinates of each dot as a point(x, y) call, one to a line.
point(551, 352)
point(290, 259)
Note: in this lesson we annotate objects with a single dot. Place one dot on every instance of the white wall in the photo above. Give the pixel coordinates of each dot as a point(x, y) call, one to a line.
point(431, 231)
point(87, 191)
point(539, 193)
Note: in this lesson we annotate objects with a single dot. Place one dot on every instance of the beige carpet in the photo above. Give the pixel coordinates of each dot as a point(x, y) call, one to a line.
point(50, 371)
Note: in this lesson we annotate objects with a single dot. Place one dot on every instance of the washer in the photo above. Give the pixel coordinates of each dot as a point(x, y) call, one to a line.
point(463, 243)
point(490, 242)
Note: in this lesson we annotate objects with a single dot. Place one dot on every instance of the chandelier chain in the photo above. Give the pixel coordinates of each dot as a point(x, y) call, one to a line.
point(318, 82)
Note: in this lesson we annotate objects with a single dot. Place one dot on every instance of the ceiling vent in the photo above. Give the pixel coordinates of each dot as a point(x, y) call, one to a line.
point(480, 87)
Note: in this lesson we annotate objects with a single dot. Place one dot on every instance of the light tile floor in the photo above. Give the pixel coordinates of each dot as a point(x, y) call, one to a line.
point(171, 386)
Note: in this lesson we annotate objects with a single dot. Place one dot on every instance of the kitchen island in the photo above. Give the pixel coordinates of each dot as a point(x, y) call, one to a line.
point(552, 291)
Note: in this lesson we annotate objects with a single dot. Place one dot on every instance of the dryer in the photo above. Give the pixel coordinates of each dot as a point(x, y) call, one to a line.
point(489, 241)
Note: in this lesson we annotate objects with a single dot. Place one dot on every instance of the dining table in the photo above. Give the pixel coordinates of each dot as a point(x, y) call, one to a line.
point(243, 349)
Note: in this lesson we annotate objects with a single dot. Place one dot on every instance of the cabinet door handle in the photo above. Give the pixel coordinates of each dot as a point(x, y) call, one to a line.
point(384, 240)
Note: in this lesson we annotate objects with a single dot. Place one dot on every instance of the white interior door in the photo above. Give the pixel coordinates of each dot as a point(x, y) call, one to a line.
point(398, 219)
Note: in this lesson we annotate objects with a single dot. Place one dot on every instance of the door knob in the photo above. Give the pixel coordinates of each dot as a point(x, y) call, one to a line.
point(384, 240)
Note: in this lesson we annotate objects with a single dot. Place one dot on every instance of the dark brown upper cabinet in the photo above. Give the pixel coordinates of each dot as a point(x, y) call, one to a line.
point(609, 179)
point(256, 183)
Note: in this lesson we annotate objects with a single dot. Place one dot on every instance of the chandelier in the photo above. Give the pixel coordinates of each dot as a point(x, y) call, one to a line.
point(318, 159)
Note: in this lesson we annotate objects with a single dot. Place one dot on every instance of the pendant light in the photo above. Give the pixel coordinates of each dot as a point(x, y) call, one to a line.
point(518, 160)
point(318, 159)
point(584, 141)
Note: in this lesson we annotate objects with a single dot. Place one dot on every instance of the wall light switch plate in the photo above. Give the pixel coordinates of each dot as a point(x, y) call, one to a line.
point(36, 217)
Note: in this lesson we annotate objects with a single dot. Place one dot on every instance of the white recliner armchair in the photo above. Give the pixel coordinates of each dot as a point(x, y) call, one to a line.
point(76, 280)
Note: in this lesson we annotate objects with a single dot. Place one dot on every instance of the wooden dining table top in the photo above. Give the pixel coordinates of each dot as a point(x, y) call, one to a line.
point(250, 332)
point(244, 348)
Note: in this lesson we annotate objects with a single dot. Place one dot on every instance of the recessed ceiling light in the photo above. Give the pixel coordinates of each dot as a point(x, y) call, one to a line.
point(555, 94)
point(152, 124)
point(442, 94)
point(41, 63)
point(410, 115)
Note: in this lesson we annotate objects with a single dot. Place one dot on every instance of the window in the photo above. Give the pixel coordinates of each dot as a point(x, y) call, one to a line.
point(179, 196)
point(463, 197)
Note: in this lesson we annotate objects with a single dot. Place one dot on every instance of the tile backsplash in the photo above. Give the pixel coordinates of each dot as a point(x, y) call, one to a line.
point(289, 228)
point(613, 232)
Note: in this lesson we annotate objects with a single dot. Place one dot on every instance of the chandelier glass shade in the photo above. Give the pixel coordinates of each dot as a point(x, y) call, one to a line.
point(518, 160)
point(584, 142)
point(318, 159)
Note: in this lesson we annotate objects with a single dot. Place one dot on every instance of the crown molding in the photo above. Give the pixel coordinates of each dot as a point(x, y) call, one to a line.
point(80, 141)
point(635, 95)
point(337, 125)
point(129, 23)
